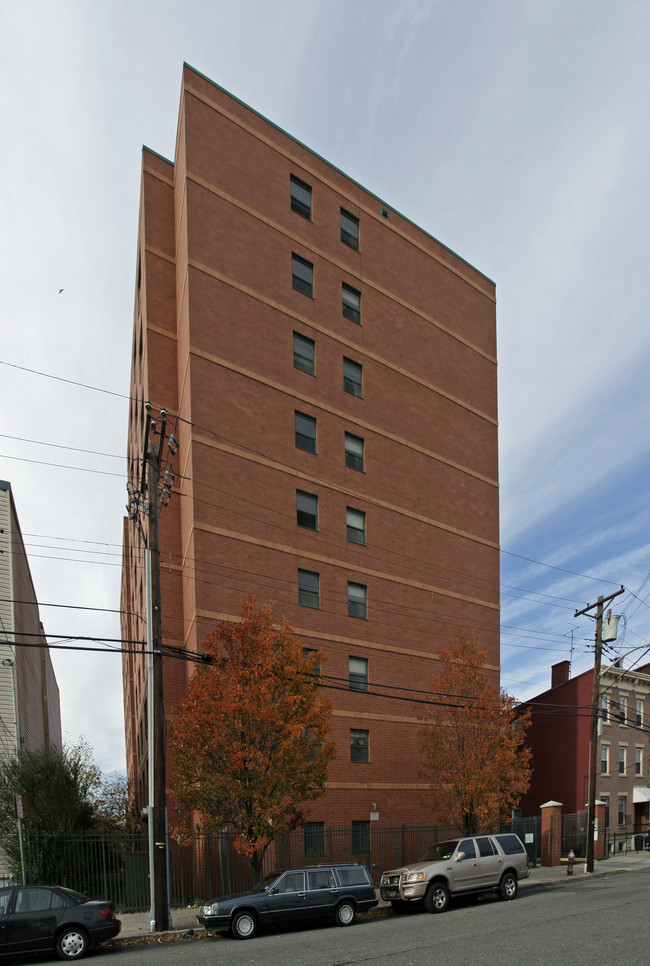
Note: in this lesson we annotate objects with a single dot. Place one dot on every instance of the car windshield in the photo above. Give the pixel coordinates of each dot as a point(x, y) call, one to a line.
point(440, 851)
point(269, 879)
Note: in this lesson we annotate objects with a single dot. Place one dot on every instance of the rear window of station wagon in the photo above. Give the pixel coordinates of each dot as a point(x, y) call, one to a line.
point(352, 876)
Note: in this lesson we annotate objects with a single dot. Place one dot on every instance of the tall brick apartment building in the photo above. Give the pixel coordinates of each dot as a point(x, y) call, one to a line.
point(329, 371)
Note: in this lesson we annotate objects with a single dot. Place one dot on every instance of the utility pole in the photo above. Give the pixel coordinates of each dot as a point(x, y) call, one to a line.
point(595, 710)
point(157, 813)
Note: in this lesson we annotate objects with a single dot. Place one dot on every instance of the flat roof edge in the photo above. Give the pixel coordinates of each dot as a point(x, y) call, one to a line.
point(335, 168)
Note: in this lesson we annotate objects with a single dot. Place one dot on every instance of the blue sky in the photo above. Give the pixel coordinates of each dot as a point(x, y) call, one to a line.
point(516, 133)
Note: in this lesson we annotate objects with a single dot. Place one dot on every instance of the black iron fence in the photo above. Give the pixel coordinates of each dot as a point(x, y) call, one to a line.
point(115, 865)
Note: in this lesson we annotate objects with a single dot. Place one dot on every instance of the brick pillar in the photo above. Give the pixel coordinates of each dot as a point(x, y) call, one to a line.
point(599, 835)
point(551, 833)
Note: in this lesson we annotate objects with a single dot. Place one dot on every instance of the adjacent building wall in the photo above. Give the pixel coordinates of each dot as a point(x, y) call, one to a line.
point(30, 715)
point(559, 738)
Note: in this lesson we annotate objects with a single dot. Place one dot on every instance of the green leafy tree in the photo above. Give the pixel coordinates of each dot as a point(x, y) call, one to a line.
point(249, 740)
point(58, 792)
point(473, 744)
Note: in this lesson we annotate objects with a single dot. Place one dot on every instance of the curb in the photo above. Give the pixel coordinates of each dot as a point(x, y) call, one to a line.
point(382, 911)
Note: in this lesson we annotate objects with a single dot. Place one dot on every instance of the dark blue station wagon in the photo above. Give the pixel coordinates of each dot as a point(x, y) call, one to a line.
point(334, 892)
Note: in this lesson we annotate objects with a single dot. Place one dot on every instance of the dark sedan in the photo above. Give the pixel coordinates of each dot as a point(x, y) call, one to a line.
point(51, 918)
point(325, 892)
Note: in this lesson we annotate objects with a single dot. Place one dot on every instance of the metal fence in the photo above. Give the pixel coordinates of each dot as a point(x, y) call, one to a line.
point(115, 865)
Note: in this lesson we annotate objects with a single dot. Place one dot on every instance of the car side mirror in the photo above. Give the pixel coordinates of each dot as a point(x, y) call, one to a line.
point(460, 856)
point(273, 890)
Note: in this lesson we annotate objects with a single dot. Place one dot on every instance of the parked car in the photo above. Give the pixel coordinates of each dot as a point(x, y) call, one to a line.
point(484, 863)
point(38, 918)
point(323, 892)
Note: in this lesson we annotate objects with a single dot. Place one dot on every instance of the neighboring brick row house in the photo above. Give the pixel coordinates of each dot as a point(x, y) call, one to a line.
point(329, 370)
point(559, 738)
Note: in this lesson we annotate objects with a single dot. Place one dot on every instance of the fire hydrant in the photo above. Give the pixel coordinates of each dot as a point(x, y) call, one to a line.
point(570, 862)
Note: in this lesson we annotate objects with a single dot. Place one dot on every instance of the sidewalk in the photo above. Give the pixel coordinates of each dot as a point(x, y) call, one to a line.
point(135, 925)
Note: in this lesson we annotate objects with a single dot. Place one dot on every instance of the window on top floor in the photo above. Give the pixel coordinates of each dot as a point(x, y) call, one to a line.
point(300, 197)
point(349, 229)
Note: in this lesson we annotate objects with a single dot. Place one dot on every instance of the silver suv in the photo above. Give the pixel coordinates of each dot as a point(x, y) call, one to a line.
point(485, 863)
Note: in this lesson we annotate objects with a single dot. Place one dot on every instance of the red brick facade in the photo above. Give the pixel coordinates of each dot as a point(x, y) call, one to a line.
point(559, 740)
point(215, 318)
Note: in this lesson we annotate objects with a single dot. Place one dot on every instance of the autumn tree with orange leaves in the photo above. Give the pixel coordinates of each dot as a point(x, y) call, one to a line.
point(473, 744)
point(249, 740)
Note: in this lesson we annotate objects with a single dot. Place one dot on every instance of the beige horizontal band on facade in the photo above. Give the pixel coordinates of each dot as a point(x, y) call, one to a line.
point(331, 561)
point(373, 716)
point(336, 639)
point(341, 414)
point(317, 481)
point(388, 786)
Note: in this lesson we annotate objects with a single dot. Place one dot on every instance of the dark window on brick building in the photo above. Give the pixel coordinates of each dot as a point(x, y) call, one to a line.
point(305, 432)
point(359, 745)
point(352, 377)
point(314, 839)
point(357, 604)
point(351, 303)
point(300, 197)
point(361, 837)
point(349, 229)
point(358, 673)
point(354, 455)
point(308, 589)
point(306, 510)
point(302, 275)
point(355, 522)
point(304, 356)
point(307, 653)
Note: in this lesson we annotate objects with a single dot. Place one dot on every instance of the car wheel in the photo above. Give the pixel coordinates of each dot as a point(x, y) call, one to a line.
point(509, 886)
point(345, 913)
point(244, 925)
point(437, 897)
point(72, 943)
